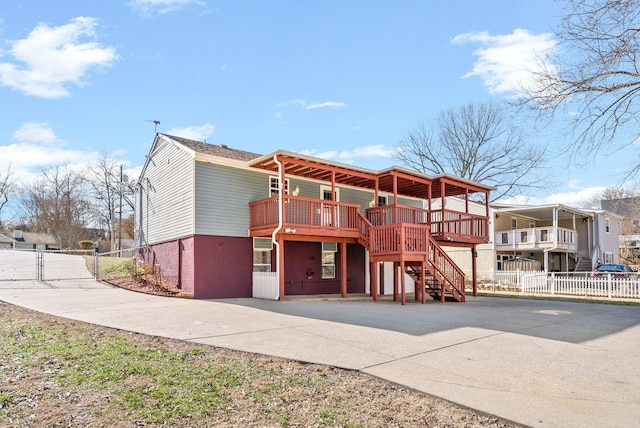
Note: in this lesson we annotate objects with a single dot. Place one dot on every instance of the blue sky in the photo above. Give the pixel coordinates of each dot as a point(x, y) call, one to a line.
point(343, 80)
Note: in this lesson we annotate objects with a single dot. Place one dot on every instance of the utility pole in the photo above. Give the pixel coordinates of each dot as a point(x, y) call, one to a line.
point(120, 217)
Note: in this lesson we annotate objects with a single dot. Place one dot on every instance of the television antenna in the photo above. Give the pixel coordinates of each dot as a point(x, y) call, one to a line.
point(155, 124)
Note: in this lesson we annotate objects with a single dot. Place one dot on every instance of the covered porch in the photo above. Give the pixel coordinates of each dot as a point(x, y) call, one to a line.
point(395, 232)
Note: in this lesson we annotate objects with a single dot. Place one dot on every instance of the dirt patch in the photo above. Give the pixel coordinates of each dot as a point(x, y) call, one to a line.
point(147, 287)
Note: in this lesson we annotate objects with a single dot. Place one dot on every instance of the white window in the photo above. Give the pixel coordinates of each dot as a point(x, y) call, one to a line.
point(504, 238)
point(544, 235)
point(382, 201)
point(274, 186)
point(608, 257)
point(514, 223)
point(262, 254)
point(325, 193)
point(329, 259)
point(607, 225)
point(501, 258)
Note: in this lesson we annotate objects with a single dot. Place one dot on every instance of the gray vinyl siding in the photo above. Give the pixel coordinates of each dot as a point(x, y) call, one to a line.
point(222, 198)
point(168, 184)
point(611, 240)
point(223, 193)
point(407, 201)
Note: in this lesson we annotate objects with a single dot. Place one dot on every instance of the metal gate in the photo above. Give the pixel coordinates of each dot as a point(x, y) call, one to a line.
point(44, 265)
point(19, 265)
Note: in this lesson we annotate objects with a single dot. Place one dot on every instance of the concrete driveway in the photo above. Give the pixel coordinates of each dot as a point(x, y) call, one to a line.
point(539, 363)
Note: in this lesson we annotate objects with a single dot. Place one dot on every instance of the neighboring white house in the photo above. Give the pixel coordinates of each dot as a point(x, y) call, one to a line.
point(6, 242)
point(556, 237)
point(35, 241)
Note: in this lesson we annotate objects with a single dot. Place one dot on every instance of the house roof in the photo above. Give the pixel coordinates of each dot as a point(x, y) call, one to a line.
point(38, 238)
point(542, 212)
point(213, 149)
point(5, 239)
point(627, 207)
point(409, 183)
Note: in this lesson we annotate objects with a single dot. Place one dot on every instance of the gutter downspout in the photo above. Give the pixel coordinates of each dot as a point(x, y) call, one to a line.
point(274, 241)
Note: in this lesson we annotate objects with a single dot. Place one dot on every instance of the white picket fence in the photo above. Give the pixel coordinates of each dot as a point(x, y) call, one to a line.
point(563, 283)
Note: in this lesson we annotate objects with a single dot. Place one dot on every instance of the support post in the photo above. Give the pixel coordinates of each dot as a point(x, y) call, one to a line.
point(374, 280)
point(474, 271)
point(281, 269)
point(423, 282)
point(343, 268)
point(402, 283)
point(395, 281)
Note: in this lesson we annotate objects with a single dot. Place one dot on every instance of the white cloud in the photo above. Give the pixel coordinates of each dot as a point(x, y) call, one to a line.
point(35, 148)
point(36, 133)
point(573, 199)
point(198, 133)
point(312, 106)
point(51, 57)
point(506, 62)
point(161, 7)
point(375, 150)
point(349, 156)
point(334, 104)
point(328, 155)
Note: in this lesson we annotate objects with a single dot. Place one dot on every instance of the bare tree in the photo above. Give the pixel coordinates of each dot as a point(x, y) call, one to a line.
point(594, 73)
point(111, 193)
point(478, 142)
point(8, 188)
point(56, 203)
point(103, 178)
point(624, 201)
point(614, 193)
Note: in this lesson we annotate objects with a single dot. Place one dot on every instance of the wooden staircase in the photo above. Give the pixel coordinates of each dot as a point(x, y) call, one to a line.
point(421, 254)
point(443, 290)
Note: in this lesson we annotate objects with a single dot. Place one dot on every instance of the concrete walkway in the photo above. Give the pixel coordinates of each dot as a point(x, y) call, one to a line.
point(539, 363)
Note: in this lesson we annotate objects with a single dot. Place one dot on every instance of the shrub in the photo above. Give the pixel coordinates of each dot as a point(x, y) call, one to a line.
point(86, 245)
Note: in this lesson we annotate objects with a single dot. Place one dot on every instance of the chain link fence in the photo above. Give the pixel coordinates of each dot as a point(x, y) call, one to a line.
point(46, 265)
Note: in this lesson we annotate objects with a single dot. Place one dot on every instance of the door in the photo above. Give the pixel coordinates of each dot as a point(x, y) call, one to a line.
point(330, 217)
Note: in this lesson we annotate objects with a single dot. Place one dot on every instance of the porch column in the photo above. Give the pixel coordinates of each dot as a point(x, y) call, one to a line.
point(373, 275)
point(423, 281)
point(474, 256)
point(395, 199)
point(281, 268)
point(402, 283)
point(395, 281)
point(343, 268)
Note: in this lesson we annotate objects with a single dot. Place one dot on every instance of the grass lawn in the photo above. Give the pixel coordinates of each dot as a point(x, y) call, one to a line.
point(59, 372)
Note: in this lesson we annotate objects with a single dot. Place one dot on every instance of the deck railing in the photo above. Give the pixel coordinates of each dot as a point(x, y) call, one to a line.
point(459, 226)
point(537, 237)
point(449, 273)
point(397, 213)
point(399, 238)
point(317, 213)
point(302, 211)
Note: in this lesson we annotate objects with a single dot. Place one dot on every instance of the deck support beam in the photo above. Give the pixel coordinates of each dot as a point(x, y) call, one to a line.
point(373, 274)
point(474, 271)
point(343, 268)
point(395, 281)
point(402, 283)
point(281, 268)
point(423, 281)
